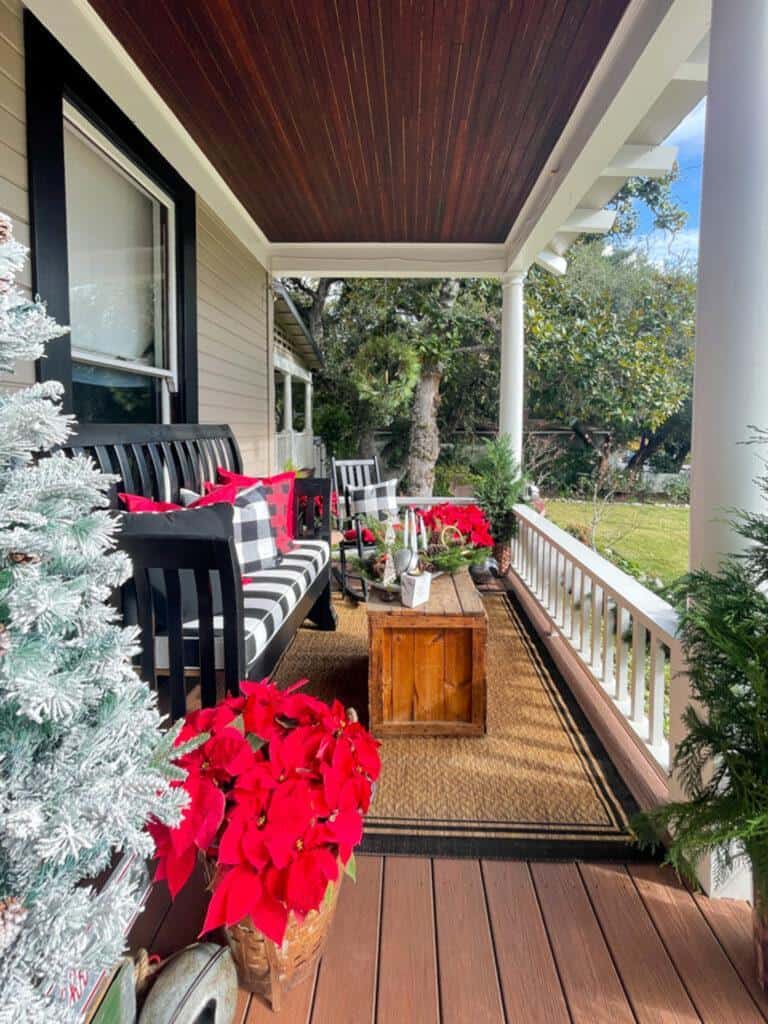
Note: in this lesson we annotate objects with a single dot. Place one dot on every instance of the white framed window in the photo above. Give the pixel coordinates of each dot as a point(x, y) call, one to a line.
point(121, 231)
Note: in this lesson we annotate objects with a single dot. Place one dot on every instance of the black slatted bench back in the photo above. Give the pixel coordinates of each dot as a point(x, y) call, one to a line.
point(157, 460)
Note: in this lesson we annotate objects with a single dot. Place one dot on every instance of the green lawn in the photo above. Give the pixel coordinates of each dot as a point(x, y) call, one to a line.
point(652, 536)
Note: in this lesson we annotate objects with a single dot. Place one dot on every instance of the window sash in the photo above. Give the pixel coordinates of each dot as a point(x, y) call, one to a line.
point(165, 252)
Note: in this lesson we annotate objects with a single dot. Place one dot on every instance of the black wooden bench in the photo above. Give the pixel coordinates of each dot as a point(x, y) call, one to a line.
point(182, 577)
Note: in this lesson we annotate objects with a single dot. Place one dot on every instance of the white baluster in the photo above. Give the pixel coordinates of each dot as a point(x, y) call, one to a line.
point(568, 579)
point(609, 639)
point(637, 712)
point(597, 629)
point(587, 595)
point(622, 650)
point(577, 599)
point(657, 685)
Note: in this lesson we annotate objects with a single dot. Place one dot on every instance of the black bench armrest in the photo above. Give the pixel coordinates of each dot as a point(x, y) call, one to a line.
point(312, 503)
point(174, 555)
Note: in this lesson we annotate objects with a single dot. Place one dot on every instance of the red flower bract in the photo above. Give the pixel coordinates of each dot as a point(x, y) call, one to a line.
point(469, 519)
point(278, 787)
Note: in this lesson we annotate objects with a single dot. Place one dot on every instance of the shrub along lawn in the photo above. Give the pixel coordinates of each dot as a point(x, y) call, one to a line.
point(654, 537)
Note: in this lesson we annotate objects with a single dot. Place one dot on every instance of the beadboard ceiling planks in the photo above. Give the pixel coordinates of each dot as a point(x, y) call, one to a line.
point(371, 120)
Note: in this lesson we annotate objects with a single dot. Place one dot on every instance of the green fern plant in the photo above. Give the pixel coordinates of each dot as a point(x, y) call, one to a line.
point(722, 762)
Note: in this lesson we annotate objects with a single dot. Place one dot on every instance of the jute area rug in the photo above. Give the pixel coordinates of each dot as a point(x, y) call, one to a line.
point(538, 785)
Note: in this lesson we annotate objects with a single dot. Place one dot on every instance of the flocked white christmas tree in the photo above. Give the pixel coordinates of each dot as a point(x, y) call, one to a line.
point(83, 762)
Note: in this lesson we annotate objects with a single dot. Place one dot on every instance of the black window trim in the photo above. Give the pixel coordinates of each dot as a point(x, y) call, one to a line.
point(53, 75)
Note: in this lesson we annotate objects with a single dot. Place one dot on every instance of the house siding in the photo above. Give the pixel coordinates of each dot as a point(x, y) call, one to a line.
point(14, 199)
point(233, 326)
point(232, 286)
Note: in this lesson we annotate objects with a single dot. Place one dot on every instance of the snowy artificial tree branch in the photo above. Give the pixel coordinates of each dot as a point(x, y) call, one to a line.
point(83, 759)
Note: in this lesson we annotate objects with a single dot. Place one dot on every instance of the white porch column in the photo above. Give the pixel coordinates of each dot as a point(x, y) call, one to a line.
point(308, 407)
point(288, 414)
point(731, 373)
point(731, 377)
point(287, 401)
point(511, 389)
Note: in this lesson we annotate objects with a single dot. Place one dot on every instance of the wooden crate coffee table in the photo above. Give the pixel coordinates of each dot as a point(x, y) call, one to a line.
point(426, 669)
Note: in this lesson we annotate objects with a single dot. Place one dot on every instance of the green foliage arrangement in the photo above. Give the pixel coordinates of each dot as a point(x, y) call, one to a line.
point(499, 487)
point(723, 761)
point(384, 370)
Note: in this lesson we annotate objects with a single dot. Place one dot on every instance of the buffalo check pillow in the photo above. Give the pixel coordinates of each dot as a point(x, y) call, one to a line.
point(279, 491)
point(376, 501)
point(252, 529)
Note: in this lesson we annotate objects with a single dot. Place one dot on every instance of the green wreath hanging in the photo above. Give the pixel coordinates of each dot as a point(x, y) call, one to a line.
point(385, 370)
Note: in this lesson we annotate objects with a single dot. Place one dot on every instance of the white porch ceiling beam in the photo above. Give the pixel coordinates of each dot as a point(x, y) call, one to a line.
point(691, 71)
point(588, 222)
point(548, 260)
point(641, 161)
point(289, 364)
point(391, 259)
point(651, 43)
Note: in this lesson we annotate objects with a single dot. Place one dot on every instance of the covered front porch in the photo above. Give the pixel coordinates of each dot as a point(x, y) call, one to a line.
point(463, 915)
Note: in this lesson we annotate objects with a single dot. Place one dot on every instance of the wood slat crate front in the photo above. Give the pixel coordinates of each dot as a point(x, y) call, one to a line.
point(426, 673)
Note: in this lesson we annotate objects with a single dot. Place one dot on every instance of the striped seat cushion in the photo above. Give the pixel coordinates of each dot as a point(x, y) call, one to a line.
point(268, 599)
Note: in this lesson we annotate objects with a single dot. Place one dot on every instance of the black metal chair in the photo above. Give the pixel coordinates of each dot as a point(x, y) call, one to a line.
point(348, 474)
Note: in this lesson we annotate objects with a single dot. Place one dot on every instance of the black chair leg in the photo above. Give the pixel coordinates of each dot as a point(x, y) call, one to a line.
point(346, 575)
point(322, 612)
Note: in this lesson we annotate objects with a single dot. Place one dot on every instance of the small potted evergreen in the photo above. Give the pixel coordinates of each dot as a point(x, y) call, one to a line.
point(723, 761)
point(498, 489)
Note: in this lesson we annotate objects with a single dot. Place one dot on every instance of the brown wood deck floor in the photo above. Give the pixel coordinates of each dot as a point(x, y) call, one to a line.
point(482, 942)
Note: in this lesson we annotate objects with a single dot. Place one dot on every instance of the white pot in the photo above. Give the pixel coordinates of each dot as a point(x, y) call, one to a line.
point(414, 589)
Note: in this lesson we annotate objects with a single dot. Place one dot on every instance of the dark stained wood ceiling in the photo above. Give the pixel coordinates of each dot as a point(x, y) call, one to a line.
point(371, 120)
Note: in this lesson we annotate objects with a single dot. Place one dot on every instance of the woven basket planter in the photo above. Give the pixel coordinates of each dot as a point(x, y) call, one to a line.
point(503, 555)
point(270, 970)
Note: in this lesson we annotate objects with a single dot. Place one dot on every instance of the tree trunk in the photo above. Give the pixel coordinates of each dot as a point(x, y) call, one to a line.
point(602, 448)
point(654, 442)
point(367, 444)
point(424, 448)
point(425, 438)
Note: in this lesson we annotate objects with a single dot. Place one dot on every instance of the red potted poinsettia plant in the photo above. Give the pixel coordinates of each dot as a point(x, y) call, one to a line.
point(470, 520)
point(278, 784)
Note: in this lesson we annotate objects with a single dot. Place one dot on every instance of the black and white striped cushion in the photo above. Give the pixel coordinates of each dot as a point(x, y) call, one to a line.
point(375, 500)
point(254, 537)
point(268, 601)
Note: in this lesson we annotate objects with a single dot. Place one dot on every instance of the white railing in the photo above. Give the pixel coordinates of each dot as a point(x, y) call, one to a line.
point(295, 448)
point(624, 634)
point(283, 449)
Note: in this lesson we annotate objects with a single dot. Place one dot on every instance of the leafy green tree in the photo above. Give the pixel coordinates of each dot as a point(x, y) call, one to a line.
point(609, 351)
point(609, 348)
point(389, 345)
point(656, 195)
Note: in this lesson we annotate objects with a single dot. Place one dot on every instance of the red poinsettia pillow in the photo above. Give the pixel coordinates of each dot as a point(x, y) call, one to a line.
point(279, 491)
